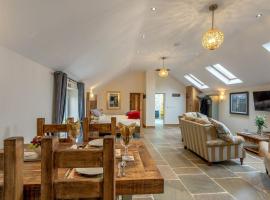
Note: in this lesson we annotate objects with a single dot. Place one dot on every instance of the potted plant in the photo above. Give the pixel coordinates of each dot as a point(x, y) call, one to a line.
point(260, 122)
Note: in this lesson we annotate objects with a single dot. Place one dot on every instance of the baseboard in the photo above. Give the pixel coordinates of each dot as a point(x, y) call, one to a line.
point(172, 125)
point(144, 126)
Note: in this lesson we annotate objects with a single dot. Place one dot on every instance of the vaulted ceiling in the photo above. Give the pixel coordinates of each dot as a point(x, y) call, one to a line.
point(94, 40)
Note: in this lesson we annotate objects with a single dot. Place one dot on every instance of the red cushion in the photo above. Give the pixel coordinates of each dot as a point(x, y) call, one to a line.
point(134, 115)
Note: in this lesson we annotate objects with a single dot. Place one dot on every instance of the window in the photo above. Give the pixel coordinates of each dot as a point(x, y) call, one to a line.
point(223, 74)
point(267, 46)
point(195, 81)
point(71, 109)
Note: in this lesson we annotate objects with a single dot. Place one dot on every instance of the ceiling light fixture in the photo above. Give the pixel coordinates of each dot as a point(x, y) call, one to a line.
point(163, 72)
point(153, 9)
point(213, 38)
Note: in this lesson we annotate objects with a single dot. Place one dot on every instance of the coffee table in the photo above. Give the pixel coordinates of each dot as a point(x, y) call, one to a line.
point(258, 140)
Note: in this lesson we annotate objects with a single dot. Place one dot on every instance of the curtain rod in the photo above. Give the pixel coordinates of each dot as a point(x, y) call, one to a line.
point(52, 73)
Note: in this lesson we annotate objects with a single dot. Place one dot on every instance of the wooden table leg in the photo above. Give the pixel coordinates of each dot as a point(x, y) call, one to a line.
point(263, 148)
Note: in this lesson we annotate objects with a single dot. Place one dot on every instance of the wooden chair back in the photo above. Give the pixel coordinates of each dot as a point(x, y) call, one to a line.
point(99, 127)
point(53, 158)
point(43, 129)
point(13, 168)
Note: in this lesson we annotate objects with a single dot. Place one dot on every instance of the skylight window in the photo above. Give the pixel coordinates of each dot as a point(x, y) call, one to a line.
point(195, 81)
point(267, 46)
point(223, 74)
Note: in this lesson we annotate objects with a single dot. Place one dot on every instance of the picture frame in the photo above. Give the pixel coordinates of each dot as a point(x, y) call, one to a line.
point(113, 100)
point(239, 103)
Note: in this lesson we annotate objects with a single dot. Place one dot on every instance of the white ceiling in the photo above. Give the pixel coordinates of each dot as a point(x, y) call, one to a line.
point(94, 40)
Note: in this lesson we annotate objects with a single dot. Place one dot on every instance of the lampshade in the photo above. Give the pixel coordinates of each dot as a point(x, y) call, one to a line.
point(163, 72)
point(212, 39)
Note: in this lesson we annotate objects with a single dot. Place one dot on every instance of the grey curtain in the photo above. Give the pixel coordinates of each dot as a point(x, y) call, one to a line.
point(81, 100)
point(59, 96)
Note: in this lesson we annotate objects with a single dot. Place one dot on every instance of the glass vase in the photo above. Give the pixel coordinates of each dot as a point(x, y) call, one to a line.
point(259, 130)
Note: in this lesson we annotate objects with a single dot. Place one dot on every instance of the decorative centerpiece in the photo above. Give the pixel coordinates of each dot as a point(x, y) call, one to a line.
point(126, 135)
point(260, 122)
point(74, 130)
point(35, 144)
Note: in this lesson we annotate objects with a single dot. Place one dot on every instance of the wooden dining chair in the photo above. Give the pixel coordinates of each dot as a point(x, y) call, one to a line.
point(88, 126)
point(52, 158)
point(45, 129)
point(13, 168)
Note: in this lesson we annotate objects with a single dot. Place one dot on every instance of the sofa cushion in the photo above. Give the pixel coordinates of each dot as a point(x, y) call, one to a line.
point(190, 118)
point(190, 114)
point(200, 115)
point(202, 121)
point(222, 131)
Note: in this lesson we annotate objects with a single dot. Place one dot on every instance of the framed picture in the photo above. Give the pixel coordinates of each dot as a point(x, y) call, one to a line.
point(113, 100)
point(239, 103)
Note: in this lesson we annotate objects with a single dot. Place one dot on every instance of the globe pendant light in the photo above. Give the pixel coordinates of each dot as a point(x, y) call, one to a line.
point(163, 72)
point(213, 38)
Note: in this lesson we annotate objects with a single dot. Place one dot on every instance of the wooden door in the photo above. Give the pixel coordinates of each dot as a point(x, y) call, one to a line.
point(135, 101)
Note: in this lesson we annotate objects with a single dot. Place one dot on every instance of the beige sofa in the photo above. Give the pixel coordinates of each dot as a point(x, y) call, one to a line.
point(203, 140)
point(267, 160)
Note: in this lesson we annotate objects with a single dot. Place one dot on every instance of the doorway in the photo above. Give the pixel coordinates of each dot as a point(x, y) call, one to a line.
point(159, 108)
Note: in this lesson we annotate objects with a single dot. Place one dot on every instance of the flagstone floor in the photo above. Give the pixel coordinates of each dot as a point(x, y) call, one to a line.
point(188, 177)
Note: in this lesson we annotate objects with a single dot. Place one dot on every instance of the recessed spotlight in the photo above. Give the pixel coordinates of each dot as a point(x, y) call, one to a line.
point(259, 15)
point(176, 44)
point(143, 36)
point(153, 9)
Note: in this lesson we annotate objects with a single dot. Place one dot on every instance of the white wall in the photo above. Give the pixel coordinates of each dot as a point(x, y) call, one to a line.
point(130, 82)
point(26, 89)
point(174, 106)
point(241, 122)
point(150, 82)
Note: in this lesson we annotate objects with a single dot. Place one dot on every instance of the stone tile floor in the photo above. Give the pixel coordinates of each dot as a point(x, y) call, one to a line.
point(189, 177)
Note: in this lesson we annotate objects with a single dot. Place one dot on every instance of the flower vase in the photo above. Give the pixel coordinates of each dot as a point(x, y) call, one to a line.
point(259, 130)
point(38, 150)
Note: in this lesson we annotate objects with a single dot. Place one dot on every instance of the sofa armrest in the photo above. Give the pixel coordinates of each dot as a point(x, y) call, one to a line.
point(219, 142)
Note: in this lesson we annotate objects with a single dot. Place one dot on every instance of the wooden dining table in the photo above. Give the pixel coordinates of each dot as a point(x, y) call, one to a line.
point(142, 175)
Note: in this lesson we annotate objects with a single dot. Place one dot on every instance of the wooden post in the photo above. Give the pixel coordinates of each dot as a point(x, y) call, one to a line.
point(2, 160)
point(113, 125)
point(48, 172)
point(13, 168)
point(108, 168)
point(40, 124)
point(86, 125)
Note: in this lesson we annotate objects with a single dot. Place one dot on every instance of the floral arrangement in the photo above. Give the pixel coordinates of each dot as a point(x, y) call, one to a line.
point(36, 142)
point(260, 122)
point(127, 130)
point(74, 128)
